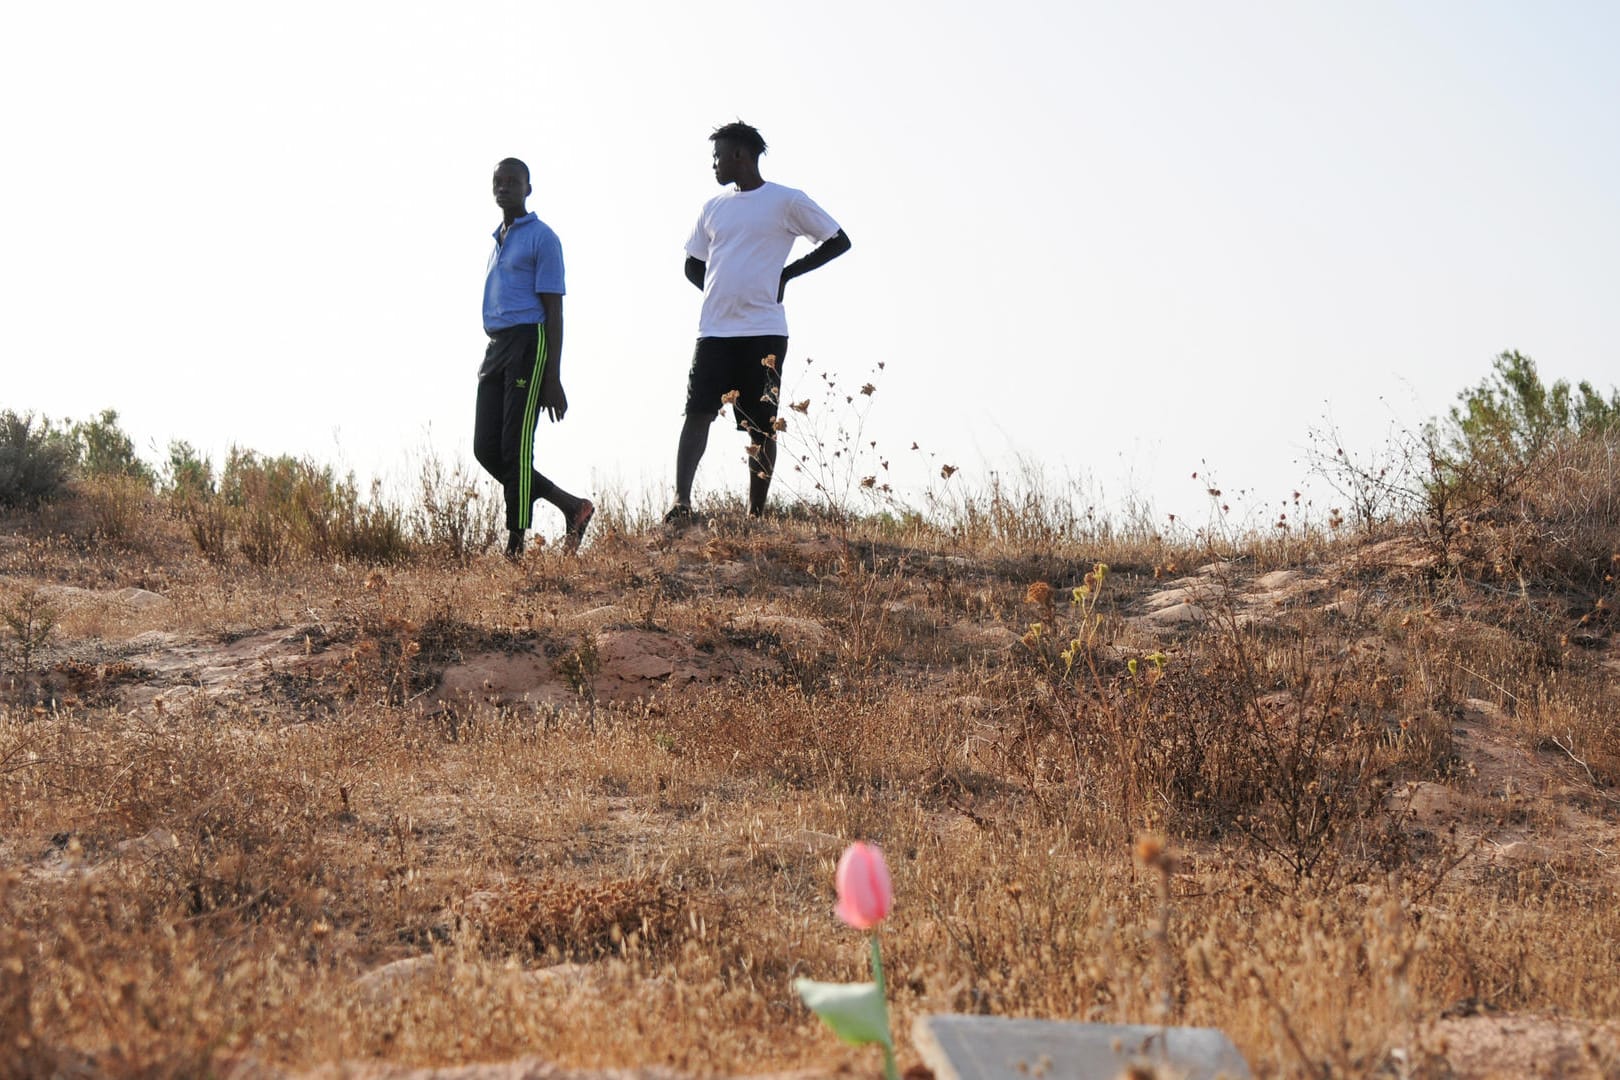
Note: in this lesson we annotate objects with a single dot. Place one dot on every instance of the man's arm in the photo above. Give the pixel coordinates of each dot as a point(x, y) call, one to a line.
point(695, 269)
point(823, 254)
point(552, 398)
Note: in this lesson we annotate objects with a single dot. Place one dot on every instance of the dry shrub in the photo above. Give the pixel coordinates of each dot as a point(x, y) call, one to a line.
point(1577, 721)
point(1527, 935)
point(1326, 979)
point(1013, 920)
point(125, 960)
point(208, 523)
point(1287, 736)
point(1300, 742)
point(1028, 527)
point(454, 517)
point(282, 508)
point(23, 1045)
point(86, 974)
point(1559, 527)
point(802, 738)
point(563, 920)
point(120, 506)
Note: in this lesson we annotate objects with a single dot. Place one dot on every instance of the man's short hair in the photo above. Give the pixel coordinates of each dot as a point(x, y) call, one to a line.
point(744, 135)
point(515, 162)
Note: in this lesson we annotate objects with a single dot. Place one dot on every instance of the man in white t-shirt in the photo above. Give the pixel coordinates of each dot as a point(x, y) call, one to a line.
point(737, 255)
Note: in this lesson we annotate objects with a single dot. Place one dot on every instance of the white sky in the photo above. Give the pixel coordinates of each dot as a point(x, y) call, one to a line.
point(1118, 239)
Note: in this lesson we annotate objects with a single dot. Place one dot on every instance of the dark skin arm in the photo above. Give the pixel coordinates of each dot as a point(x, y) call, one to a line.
point(552, 398)
point(821, 256)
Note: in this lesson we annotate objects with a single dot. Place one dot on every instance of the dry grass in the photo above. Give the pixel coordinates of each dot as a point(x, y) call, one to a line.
point(197, 877)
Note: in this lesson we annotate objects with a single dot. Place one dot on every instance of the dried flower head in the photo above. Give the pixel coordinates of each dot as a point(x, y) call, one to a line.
point(1151, 852)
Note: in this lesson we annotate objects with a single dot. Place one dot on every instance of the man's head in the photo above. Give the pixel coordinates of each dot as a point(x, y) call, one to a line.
point(511, 185)
point(737, 148)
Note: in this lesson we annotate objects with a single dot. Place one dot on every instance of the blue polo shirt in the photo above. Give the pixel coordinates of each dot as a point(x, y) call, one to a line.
point(528, 263)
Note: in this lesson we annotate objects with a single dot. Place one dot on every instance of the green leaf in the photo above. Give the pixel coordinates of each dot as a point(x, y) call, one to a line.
point(855, 1011)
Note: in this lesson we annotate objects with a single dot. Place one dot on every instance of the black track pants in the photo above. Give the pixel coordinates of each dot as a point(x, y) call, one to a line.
point(508, 408)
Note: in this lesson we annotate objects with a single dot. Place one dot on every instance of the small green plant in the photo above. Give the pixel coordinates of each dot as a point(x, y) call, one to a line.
point(1511, 456)
point(1500, 436)
point(30, 618)
point(1056, 648)
point(188, 483)
point(581, 665)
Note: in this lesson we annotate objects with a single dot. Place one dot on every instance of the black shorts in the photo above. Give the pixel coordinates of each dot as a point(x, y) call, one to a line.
point(723, 364)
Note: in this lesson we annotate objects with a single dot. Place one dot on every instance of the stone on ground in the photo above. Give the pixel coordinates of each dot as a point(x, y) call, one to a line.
point(995, 1048)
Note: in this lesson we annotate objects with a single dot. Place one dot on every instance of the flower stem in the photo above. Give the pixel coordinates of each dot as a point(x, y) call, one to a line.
point(890, 1072)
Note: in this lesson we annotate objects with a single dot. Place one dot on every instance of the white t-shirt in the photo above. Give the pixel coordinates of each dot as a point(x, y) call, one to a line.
point(744, 238)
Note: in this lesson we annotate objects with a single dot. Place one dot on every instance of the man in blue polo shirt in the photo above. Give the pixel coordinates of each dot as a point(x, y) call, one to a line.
point(522, 370)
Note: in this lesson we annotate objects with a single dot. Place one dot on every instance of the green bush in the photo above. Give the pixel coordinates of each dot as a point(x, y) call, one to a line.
point(102, 449)
point(187, 476)
point(1521, 481)
point(1503, 427)
point(282, 506)
point(36, 459)
point(371, 530)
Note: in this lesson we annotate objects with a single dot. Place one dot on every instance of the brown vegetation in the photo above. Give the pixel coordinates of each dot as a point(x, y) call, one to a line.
point(266, 805)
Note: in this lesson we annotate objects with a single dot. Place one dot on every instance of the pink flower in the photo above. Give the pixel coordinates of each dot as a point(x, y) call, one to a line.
point(865, 893)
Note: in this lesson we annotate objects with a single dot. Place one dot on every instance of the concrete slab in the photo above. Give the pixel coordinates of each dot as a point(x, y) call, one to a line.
point(995, 1048)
